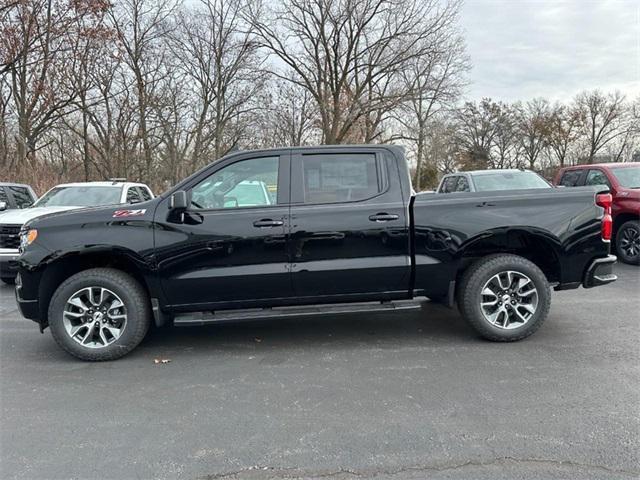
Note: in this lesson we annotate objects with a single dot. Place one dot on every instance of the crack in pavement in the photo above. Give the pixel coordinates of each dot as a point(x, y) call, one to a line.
point(293, 473)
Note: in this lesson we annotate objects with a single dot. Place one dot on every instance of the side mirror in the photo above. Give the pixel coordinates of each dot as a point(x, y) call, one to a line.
point(178, 201)
point(3, 206)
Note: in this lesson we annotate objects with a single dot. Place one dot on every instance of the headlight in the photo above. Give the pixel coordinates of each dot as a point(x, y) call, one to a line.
point(27, 237)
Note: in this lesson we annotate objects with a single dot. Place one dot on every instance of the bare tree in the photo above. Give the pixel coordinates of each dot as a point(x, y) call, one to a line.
point(291, 115)
point(40, 35)
point(533, 120)
point(89, 48)
point(506, 148)
point(563, 131)
point(215, 50)
point(477, 130)
point(5, 133)
point(434, 83)
point(347, 53)
point(138, 26)
point(600, 118)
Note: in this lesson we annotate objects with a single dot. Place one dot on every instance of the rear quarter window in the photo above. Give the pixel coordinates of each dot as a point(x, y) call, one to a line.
point(449, 184)
point(21, 196)
point(145, 193)
point(133, 196)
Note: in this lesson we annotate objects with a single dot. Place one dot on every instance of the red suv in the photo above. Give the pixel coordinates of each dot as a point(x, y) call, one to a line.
point(623, 179)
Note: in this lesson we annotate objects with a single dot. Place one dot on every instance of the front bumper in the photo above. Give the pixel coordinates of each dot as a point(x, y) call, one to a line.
point(8, 262)
point(600, 272)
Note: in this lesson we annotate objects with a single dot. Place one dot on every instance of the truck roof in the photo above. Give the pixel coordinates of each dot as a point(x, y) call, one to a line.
point(13, 184)
point(602, 165)
point(489, 172)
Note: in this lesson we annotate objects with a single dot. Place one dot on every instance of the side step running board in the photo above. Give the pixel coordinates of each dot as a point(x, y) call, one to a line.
point(205, 318)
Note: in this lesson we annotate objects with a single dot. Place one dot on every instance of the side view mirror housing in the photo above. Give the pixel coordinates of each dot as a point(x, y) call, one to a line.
point(3, 206)
point(178, 201)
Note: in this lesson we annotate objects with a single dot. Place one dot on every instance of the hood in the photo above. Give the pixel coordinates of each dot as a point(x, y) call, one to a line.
point(21, 216)
point(102, 214)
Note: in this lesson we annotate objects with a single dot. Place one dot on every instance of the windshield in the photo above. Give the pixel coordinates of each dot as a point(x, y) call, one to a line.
point(487, 182)
point(80, 197)
point(628, 177)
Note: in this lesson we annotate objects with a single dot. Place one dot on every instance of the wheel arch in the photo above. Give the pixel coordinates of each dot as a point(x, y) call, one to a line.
point(65, 266)
point(623, 218)
point(537, 246)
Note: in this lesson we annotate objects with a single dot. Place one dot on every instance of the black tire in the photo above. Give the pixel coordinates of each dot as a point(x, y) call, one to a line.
point(8, 280)
point(470, 296)
point(135, 301)
point(628, 242)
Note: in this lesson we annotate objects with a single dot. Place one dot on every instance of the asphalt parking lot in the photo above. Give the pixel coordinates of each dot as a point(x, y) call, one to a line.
point(390, 396)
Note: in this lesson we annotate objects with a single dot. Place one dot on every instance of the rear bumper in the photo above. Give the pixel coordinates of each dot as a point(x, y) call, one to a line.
point(8, 262)
point(600, 272)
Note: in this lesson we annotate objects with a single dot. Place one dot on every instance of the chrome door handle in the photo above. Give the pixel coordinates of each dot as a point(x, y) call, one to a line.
point(267, 222)
point(383, 217)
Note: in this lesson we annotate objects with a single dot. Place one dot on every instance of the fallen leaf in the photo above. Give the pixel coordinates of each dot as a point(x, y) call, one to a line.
point(161, 360)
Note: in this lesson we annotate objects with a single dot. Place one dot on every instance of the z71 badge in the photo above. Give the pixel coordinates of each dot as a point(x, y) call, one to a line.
point(129, 213)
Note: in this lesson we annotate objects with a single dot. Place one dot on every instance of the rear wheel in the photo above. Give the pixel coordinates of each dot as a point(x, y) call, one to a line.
point(99, 314)
point(628, 242)
point(8, 280)
point(504, 297)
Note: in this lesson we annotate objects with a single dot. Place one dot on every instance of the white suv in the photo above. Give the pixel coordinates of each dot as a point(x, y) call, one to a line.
point(67, 196)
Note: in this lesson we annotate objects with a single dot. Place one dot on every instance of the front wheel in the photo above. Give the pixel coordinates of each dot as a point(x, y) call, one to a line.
point(8, 280)
point(504, 297)
point(99, 314)
point(628, 242)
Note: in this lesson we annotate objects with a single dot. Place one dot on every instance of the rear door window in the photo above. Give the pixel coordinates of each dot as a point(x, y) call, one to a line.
point(133, 196)
point(462, 185)
point(339, 177)
point(21, 196)
point(597, 177)
point(571, 178)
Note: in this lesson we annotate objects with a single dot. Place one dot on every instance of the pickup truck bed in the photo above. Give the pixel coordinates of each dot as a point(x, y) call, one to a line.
point(558, 229)
point(341, 226)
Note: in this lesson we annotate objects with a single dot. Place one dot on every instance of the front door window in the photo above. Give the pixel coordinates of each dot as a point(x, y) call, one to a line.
point(248, 183)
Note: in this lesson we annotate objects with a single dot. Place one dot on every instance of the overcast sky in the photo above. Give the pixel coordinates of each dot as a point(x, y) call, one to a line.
point(521, 49)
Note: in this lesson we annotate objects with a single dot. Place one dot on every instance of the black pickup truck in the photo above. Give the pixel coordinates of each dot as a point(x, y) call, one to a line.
point(307, 230)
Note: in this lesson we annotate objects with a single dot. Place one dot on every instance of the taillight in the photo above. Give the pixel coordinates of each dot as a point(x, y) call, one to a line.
point(605, 200)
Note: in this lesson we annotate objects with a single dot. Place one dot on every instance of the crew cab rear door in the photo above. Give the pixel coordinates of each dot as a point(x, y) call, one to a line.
point(230, 249)
point(349, 225)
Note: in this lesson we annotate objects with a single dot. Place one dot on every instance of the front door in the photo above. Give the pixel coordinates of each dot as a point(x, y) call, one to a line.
point(349, 225)
point(230, 248)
